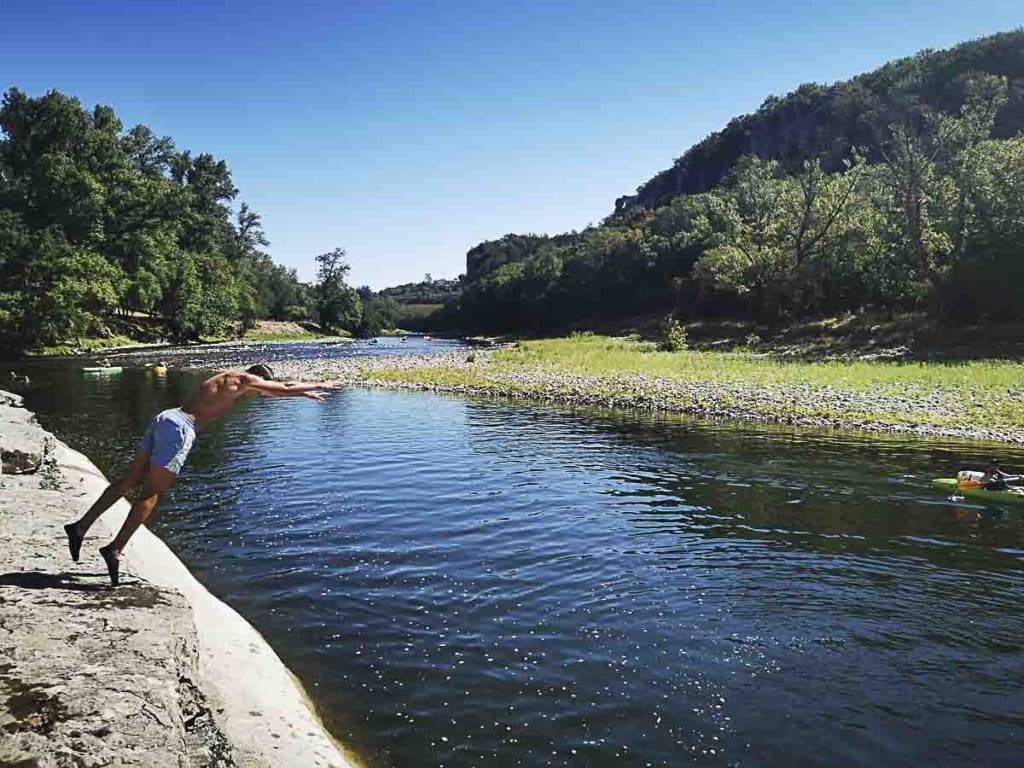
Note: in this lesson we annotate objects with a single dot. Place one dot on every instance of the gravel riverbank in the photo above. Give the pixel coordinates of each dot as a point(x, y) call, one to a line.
point(155, 673)
point(882, 409)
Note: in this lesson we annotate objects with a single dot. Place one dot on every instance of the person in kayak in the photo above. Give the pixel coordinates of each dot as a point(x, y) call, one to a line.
point(995, 479)
point(165, 446)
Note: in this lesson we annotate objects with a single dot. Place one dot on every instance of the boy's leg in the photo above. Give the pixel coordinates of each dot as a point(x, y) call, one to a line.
point(136, 472)
point(157, 481)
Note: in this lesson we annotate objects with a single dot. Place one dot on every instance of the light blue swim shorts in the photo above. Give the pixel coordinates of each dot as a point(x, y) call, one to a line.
point(169, 439)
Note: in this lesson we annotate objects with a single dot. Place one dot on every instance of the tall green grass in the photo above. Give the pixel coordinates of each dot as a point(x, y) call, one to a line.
point(603, 355)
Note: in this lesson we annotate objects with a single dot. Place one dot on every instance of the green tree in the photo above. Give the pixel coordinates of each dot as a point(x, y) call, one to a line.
point(379, 313)
point(105, 223)
point(986, 279)
point(753, 260)
point(338, 305)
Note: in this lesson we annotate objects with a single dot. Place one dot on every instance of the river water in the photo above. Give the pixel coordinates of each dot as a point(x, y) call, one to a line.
point(466, 582)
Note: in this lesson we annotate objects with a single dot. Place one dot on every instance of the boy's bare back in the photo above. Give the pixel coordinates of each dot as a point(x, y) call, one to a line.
point(218, 394)
point(165, 447)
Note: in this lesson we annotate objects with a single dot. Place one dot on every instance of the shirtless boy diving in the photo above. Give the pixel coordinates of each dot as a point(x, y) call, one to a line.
point(166, 444)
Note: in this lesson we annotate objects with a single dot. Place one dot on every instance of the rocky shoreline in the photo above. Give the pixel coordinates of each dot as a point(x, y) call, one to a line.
point(476, 373)
point(155, 673)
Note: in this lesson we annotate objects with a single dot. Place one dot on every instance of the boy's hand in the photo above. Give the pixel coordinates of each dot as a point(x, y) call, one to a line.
point(318, 396)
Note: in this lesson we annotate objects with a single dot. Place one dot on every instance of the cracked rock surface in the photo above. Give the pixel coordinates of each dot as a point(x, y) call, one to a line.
point(23, 445)
point(89, 675)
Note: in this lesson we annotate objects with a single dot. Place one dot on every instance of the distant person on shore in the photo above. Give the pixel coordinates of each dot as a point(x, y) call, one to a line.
point(995, 479)
point(165, 447)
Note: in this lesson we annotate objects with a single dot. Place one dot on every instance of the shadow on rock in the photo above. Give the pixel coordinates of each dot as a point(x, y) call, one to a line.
point(41, 580)
point(131, 595)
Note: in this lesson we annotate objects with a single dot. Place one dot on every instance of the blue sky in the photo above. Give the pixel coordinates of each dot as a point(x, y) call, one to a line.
point(407, 132)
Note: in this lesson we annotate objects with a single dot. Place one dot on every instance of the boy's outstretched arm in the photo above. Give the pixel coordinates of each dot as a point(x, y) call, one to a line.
point(259, 386)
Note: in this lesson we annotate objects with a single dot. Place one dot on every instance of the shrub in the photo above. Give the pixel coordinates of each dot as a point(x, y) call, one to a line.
point(671, 335)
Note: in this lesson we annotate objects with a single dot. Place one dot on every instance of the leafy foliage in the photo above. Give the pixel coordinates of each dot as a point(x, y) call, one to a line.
point(828, 121)
point(338, 305)
point(671, 335)
point(899, 190)
point(98, 223)
point(430, 291)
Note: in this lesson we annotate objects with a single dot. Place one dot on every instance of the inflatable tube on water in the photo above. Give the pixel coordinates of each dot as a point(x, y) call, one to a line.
point(1013, 495)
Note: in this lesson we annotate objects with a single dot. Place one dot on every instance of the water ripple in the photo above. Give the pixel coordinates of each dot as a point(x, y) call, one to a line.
point(467, 582)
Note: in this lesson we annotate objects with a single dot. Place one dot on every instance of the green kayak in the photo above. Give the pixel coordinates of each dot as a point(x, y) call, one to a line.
point(1014, 495)
point(109, 369)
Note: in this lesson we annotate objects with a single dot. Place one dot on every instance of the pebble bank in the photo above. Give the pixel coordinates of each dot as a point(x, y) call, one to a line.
point(477, 373)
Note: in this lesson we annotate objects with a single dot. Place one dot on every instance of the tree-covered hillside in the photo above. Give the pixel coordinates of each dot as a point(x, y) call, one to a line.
point(819, 121)
point(902, 189)
point(427, 291)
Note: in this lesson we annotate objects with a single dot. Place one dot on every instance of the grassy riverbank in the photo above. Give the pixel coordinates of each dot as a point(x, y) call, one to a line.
point(976, 399)
point(265, 331)
point(261, 337)
point(603, 355)
point(85, 346)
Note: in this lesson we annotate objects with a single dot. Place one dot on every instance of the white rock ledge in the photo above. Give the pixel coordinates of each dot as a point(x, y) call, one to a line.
point(260, 714)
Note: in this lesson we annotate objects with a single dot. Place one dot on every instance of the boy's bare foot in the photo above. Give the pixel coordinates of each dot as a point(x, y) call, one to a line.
point(113, 564)
point(74, 540)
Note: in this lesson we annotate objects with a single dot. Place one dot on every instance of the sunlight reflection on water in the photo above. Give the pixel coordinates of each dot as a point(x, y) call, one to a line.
point(466, 582)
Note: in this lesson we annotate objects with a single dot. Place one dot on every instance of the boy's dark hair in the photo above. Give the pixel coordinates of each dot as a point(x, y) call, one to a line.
point(262, 370)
